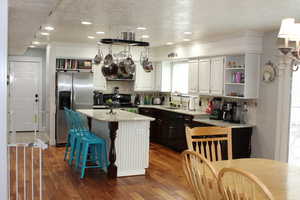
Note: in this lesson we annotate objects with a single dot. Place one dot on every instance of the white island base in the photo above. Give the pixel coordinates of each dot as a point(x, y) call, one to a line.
point(132, 145)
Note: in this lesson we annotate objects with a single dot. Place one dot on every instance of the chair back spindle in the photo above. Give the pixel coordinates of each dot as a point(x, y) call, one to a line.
point(200, 175)
point(208, 141)
point(236, 184)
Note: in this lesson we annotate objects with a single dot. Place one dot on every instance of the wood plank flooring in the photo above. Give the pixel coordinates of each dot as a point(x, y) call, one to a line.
point(164, 180)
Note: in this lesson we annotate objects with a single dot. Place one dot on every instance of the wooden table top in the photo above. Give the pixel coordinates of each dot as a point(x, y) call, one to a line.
point(282, 180)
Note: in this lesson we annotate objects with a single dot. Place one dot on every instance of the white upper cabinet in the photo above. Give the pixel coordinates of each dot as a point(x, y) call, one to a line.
point(204, 76)
point(193, 77)
point(144, 81)
point(242, 76)
point(217, 76)
point(163, 76)
point(99, 79)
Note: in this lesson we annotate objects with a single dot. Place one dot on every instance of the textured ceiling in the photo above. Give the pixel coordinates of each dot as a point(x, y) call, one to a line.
point(25, 18)
point(166, 20)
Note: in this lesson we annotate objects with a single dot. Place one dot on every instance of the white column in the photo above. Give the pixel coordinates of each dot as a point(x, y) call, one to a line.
point(3, 100)
point(283, 110)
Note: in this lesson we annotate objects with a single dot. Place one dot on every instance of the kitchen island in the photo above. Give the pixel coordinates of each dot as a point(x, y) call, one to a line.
point(127, 138)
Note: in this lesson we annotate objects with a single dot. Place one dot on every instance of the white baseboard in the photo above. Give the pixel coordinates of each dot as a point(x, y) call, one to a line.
point(131, 172)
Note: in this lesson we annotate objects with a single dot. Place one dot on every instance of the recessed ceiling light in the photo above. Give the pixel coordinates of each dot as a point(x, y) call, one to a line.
point(188, 33)
point(141, 28)
point(186, 40)
point(36, 42)
point(145, 36)
point(49, 28)
point(100, 32)
point(86, 22)
point(45, 33)
point(31, 46)
point(169, 43)
point(91, 37)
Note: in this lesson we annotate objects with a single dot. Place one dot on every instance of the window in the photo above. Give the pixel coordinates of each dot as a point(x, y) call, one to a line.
point(180, 75)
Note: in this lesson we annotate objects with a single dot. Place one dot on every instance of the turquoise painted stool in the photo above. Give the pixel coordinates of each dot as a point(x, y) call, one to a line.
point(85, 146)
point(78, 131)
point(93, 148)
point(71, 133)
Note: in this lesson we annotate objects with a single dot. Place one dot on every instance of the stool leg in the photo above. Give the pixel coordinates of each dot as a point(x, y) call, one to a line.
point(84, 159)
point(105, 155)
point(73, 149)
point(99, 156)
point(67, 147)
point(78, 153)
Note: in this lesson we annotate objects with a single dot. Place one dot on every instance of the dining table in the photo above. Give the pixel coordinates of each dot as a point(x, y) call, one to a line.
point(282, 179)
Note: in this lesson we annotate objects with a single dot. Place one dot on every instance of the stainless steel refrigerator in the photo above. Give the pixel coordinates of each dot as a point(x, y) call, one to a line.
point(74, 90)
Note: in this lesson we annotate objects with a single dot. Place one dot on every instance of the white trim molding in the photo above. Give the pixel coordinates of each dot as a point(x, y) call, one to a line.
point(4, 187)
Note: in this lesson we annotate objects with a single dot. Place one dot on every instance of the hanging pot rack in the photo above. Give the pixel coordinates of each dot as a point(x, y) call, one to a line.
point(124, 42)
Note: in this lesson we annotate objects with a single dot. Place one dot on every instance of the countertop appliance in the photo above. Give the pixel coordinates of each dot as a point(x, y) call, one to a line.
point(236, 113)
point(157, 101)
point(216, 109)
point(191, 104)
point(74, 90)
point(98, 98)
point(123, 99)
point(227, 111)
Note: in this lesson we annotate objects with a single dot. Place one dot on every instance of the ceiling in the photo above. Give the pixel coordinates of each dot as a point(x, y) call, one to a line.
point(165, 20)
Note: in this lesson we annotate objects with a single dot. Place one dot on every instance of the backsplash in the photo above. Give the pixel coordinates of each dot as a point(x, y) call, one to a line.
point(125, 87)
point(251, 106)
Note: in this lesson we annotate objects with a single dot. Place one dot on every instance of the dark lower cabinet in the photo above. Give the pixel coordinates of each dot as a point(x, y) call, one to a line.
point(168, 129)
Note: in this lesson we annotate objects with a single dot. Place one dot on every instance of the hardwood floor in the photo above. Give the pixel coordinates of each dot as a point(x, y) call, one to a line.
point(164, 180)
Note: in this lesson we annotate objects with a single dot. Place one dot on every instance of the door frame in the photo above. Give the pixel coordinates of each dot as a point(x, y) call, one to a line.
point(40, 86)
point(4, 187)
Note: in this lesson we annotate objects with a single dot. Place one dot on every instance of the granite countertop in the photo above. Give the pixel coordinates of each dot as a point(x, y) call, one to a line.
point(121, 115)
point(181, 111)
point(222, 123)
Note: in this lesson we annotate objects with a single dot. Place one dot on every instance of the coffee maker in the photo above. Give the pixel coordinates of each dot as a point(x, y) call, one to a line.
point(228, 111)
point(216, 111)
point(98, 98)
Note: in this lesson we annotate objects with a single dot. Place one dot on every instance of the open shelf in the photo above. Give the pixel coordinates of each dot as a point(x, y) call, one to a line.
point(242, 84)
point(69, 64)
point(234, 68)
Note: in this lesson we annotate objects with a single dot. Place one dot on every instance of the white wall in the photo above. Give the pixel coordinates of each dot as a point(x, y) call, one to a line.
point(3, 100)
point(263, 140)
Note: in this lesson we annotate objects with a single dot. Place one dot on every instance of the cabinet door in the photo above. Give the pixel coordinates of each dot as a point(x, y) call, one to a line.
point(158, 76)
point(144, 81)
point(204, 76)
point(193, 77)
point(98, 79)
point(166, 76)
point(217, 76)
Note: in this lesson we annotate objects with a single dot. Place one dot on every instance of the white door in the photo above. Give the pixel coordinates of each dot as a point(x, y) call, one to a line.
point(24, 86)
point(217, 76)
point(193, 77)
point(204, 76)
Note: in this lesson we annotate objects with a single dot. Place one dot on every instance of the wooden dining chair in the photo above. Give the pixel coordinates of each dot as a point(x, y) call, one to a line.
point(207, 141)
point(201, 176)
point(236, 184)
